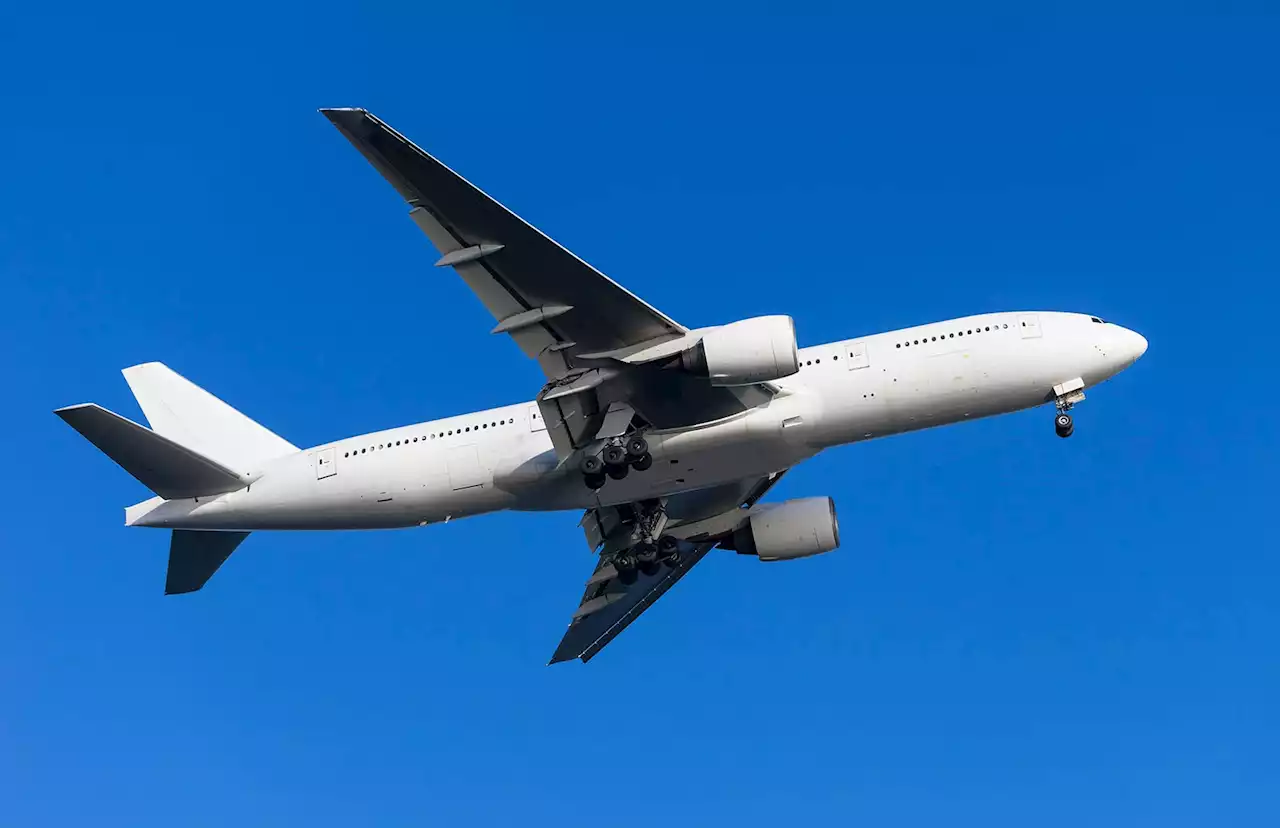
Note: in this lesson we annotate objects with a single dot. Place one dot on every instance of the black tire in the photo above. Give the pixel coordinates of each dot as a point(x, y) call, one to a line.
point(650, 569)
point(1067, 433)
point(667, 545)
point(672, 560)
point(591, 465)
point(1063, 422)
point(637, 447)
point(615, 456)
point(594, 481)
point(625, 564)
point(642, 463)
point(617, 472)
point(646, 553)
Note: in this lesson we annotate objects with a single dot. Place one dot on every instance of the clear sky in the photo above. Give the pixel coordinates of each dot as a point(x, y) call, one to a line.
point(1019, 630)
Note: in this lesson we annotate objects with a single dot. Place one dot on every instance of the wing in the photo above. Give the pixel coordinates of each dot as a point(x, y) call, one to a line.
point(537, 291)
point(701, 519)
point(585, 330)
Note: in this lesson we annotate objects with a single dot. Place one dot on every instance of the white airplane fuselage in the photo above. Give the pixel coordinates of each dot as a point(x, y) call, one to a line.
point(502, 458)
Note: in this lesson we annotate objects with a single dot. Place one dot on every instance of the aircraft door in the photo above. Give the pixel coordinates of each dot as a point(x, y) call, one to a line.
point(856, 353)
point(464, 468)
point(1029, 324)
point(536, 423)
point(325, 464)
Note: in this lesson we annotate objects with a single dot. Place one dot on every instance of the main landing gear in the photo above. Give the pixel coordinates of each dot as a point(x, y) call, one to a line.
point(647, 558)
point(615, 461)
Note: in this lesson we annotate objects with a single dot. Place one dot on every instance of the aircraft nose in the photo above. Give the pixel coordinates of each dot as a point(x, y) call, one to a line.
point(1132, 345)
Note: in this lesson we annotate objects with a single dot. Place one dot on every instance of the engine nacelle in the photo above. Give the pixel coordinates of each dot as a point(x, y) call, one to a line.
point(791, 529)
point(746, 352)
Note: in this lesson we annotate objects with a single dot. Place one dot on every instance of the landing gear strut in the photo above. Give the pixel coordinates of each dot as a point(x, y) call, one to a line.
point(1065, 395)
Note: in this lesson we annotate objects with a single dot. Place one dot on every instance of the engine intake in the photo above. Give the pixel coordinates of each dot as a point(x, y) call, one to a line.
point(791, 529)
point(745, 352)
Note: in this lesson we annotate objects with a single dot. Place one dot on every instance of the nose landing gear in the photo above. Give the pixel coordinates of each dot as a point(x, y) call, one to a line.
point(1065, 395)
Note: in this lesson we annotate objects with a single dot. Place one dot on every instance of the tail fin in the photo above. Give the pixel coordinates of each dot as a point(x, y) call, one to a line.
point(165, 467)
point(187, 414)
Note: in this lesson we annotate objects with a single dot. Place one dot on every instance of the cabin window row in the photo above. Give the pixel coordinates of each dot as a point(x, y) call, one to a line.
point(971, 331)
point(445, 433)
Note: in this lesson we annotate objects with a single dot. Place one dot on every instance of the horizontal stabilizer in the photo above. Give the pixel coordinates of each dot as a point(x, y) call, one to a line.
point(195, 556)
point(186, 413)
point(166, 468)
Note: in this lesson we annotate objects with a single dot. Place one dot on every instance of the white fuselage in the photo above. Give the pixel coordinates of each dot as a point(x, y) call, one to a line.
point(502, 458)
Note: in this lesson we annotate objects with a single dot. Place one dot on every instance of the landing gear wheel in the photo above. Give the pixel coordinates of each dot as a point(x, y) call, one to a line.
point(642, 463)
point(617, 472)
point(667, 545)
point(650, 569)
point(625, 564)
point(672, 560)
point(637, 447)
point(615, 456)
point(1063, 425)
point(593, 481)
point(591, 465)
point(646, 553)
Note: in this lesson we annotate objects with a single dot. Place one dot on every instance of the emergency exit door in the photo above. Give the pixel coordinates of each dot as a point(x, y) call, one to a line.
point(464, 467)
point(325, 464)
point(856, 353)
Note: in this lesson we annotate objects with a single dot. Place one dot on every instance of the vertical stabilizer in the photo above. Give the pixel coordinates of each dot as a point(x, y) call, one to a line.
point(187, 414)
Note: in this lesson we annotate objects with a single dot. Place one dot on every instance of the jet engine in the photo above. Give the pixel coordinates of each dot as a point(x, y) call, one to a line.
point(787, 530)
point(746, 352)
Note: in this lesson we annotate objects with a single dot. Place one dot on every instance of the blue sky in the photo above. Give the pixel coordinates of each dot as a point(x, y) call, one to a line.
point(1018, 629)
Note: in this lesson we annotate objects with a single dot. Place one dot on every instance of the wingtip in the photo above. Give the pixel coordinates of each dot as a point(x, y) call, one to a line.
point(337, 113)
point(141, 365)
point(67, 409)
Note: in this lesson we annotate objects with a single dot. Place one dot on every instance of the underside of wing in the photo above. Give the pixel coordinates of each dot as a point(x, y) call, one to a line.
point(526, 279)
point(617, 594)
point(583, 328)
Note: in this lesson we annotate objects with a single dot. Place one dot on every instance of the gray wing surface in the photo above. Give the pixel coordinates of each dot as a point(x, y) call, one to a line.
point(575, 321)
point(608, 606)
point(523, 277)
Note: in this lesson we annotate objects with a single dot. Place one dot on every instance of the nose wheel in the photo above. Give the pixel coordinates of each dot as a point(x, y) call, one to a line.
point(1063, 425)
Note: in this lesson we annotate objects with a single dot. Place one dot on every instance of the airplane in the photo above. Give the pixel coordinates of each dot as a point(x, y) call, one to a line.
point(667, 437)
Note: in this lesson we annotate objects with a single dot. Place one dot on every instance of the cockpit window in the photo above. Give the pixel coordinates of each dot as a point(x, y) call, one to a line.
point(1096, 319)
